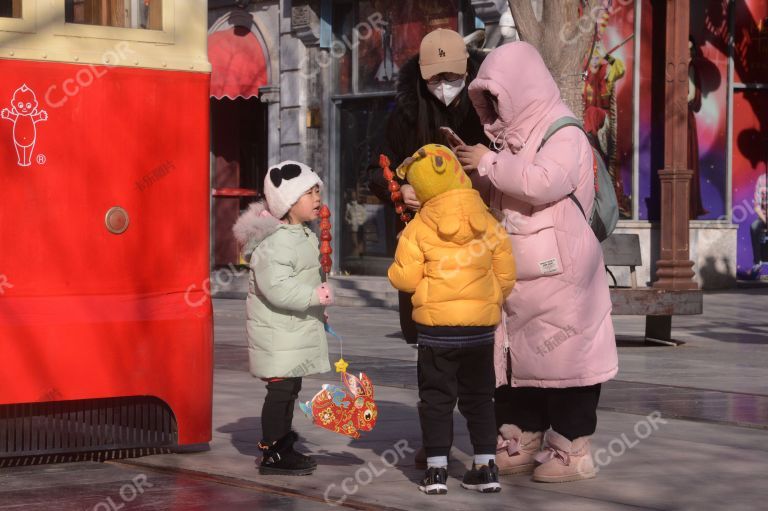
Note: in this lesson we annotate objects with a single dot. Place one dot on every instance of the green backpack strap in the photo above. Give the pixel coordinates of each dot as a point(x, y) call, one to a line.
point(605, 212)
point(554, 128)
point(557, 126)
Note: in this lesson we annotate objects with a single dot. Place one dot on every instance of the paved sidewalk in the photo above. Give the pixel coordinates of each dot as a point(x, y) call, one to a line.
point(90, 486)
point(716, 381)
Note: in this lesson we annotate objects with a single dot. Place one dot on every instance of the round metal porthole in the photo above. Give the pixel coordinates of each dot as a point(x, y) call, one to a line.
point(117, 220)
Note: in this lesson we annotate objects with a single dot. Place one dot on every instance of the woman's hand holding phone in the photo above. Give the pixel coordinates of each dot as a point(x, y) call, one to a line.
point(470, 156)
point(453, 139)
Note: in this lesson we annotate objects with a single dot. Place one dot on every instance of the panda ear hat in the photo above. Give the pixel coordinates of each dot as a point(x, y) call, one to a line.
point(285, 183)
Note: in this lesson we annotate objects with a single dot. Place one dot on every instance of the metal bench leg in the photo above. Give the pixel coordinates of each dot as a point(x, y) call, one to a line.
point(658, 330)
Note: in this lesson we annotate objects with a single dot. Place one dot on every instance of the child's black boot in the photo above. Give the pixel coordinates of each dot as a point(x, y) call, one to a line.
point(280, 458)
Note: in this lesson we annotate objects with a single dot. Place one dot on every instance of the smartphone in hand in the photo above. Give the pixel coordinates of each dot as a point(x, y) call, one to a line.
point(453, 139)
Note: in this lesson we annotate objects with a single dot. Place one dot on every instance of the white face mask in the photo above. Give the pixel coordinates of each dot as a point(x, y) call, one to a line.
point(447, 91)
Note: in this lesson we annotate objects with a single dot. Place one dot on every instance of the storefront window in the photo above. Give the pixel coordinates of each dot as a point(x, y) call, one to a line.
point(146, 14)
point(239, 148)
point(368, 237)
point(373, 39)
point(707, 120)
point(341, 52)
point(608, 100)
point(10, 8)
point(750, 137)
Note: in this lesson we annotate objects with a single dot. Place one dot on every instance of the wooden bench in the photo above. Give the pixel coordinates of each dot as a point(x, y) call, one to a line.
point(657, 305)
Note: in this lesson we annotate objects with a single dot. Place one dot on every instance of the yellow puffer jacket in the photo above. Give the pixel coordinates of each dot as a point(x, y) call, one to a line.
point(457, 260)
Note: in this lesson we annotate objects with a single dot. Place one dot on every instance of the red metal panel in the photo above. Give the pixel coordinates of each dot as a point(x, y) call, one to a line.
point(85, 313)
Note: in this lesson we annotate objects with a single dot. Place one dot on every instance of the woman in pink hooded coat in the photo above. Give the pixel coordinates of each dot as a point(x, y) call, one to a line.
point(557, 344)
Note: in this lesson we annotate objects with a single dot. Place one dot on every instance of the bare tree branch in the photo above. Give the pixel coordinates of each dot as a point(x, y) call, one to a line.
point(589, 37)
point(528, 26)
point(563, 39)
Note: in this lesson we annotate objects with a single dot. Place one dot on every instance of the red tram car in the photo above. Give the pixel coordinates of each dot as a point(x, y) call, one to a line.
point(105, 326)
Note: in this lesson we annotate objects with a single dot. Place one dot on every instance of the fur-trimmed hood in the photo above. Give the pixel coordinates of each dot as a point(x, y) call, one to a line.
point(417, 116)
point(254, 226)
point(409, 80)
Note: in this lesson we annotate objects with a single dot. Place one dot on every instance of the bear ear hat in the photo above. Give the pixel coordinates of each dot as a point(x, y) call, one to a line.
point(285, 183)
point(402, 170)
point(289, 171)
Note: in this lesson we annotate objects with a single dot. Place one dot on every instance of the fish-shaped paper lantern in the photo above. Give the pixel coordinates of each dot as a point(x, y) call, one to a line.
point(344, 411)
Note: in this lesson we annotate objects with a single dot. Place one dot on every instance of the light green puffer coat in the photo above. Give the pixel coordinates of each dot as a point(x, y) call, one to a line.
point(286, 336)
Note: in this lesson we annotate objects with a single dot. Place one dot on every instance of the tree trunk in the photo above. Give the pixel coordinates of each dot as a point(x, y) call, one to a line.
point(563, 38)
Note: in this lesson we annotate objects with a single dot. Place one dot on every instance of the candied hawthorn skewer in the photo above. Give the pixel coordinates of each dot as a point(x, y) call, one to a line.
point(325, 239)
point(394, 189)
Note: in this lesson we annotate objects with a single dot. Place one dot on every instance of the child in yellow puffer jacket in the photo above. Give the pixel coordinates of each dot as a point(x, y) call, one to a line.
point(457, 260)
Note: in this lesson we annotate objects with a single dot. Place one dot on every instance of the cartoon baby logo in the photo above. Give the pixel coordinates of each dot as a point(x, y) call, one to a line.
point(24, 115)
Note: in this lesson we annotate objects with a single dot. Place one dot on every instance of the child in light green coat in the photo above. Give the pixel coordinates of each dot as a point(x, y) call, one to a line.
point(286, 305)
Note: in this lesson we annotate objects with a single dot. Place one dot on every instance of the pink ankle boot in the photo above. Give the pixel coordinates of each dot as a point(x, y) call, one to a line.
point(516, 450)
point(562, 460)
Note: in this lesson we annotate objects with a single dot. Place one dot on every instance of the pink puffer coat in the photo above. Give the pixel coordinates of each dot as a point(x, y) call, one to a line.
point(558, 331)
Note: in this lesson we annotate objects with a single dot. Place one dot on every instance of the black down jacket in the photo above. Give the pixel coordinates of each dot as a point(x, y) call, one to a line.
point(417, 117)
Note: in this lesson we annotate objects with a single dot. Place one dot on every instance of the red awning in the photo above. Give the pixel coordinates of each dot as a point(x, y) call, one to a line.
point(239, 66)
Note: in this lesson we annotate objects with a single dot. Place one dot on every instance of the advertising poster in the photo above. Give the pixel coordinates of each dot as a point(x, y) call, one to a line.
point(608, 112)
point(750, 133)
point(648, 205)
point(707, 112)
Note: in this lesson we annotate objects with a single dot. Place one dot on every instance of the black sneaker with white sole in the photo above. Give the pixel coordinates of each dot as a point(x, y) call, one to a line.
point(484, 479)
point(434, 482)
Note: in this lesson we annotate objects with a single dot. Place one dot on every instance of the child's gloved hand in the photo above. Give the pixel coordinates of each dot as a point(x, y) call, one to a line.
point(325, 294)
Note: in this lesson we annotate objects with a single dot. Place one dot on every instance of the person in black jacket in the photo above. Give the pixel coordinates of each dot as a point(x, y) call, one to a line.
point(431, 93)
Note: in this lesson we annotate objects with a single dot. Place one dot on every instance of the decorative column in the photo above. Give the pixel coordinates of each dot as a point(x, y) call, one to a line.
point(305, 26)
point(270, 96)
point(674, 267)
point(298, 28)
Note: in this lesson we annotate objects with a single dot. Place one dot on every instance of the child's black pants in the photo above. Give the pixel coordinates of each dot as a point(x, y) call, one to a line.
point(449, 375)
point(277, 412)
